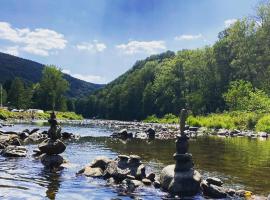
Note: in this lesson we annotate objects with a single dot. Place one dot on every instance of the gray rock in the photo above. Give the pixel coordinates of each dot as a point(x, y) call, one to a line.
point(114, 171)
point(100, 162)
point(14, 151)
point(151, 177)
point(33, 131)
point(36, 138)
point(214, 181)
point(52, 161)
point(93, 172)
point(186, 183)
point(157, 184)
point(193, 128)
point(231, 192)
point(146, 181)
point(52, 147)
point(213, 191)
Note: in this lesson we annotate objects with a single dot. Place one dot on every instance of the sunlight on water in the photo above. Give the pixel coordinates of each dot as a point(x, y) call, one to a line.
point(239, 162)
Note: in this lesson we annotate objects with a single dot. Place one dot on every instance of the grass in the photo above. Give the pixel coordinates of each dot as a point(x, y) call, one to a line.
point(6, 115)
point(228, 120)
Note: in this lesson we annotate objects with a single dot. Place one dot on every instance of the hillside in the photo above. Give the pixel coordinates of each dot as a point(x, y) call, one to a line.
point(197, 79)
point(12, 66)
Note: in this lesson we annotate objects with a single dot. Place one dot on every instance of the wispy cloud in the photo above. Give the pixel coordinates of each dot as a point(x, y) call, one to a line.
point(85, 77)
point(12, 50)
point(94, 46)
point(38, 41)
point(188, 37)
point(229, 22)
point(148, 47)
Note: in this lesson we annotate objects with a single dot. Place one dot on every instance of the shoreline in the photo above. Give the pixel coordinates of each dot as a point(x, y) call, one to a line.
point(140, 129)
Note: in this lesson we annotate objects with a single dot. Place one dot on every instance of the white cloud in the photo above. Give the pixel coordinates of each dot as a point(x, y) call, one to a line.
point(13, 50)
point(148, 47)
point(229, 22)
point(38, 41)
point(188, 37)
point(85, 77)
point(94, 46)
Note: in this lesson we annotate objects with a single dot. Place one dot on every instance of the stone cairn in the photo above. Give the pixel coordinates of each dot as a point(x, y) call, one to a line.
point(181, 179)
point(52, 147)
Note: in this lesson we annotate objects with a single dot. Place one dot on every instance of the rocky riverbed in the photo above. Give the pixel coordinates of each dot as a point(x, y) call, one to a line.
point(16, 143)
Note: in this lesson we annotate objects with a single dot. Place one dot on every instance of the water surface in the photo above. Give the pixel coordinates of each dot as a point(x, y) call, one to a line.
point(241, 163)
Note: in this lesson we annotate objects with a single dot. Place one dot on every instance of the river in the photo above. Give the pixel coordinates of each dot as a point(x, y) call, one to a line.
point(242, 163)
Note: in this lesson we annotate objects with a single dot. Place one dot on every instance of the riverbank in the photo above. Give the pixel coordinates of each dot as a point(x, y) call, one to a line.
point(243, 121)
point(27, 116)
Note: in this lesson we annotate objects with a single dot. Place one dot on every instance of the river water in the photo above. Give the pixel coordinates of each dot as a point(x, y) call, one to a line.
point(241, 163)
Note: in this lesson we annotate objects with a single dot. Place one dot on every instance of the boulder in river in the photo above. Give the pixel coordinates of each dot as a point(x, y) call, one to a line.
point(14, 151)
point(52, 147)
point(52, 161)
point(213, 191)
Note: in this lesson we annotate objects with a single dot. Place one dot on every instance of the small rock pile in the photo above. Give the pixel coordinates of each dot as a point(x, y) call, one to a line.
point(128, 171)
point(52, 147)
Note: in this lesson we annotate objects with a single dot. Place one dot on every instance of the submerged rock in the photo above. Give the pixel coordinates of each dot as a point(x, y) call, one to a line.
point(14, 151)
point(52, 147)
point(52, 161)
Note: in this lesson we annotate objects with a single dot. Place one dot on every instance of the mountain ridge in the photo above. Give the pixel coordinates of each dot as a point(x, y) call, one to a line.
point(31, 71)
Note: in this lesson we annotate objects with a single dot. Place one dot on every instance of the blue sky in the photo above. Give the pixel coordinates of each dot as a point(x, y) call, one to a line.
point(97, 40)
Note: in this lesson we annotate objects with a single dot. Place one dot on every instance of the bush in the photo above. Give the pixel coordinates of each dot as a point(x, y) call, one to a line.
point(263, 124)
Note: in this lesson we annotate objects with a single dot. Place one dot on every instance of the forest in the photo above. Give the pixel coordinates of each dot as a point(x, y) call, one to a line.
point(231, 75)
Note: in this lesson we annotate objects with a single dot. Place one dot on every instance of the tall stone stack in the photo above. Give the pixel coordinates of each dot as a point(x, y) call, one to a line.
point(52, 147)
point(181, 179)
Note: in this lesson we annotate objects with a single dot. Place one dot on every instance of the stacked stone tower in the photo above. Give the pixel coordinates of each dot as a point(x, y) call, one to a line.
point(52, 147)
point(181, 179)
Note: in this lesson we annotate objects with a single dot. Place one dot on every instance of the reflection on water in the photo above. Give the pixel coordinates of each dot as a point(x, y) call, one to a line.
point(240, 162)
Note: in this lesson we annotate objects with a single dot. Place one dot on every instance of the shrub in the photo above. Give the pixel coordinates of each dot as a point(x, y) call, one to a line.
point(263, 124)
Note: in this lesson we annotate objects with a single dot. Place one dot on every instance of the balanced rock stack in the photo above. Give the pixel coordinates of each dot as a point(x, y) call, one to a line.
point(52, 147)
point(181, 179)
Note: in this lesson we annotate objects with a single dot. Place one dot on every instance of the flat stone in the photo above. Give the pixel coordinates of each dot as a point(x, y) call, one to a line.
point(93, 172)
point(52, 147)
point(14, 151)
point(137, 183)
point(182, 157)
point(146, 181)
point(100, 162)
point(135, 157)
point(214, 181)
point(123, 157)
point(213, 191)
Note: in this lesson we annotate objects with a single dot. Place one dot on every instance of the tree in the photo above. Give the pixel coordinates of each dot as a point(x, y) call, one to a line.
point(19, 95)
point(52, 89)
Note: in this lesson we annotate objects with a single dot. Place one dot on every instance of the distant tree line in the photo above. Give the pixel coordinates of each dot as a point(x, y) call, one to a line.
point(233, 74)
point(48, 94)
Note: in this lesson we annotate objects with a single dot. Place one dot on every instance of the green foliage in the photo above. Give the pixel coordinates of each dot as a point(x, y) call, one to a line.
point(237, 65)
point(241, 96)
point(31, 72)
point(19, 95)
point(263, 124)
point(52, 89)
point(6, 114)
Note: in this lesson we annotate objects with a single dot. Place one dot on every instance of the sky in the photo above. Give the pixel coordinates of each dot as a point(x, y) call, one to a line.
point(98, 40)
